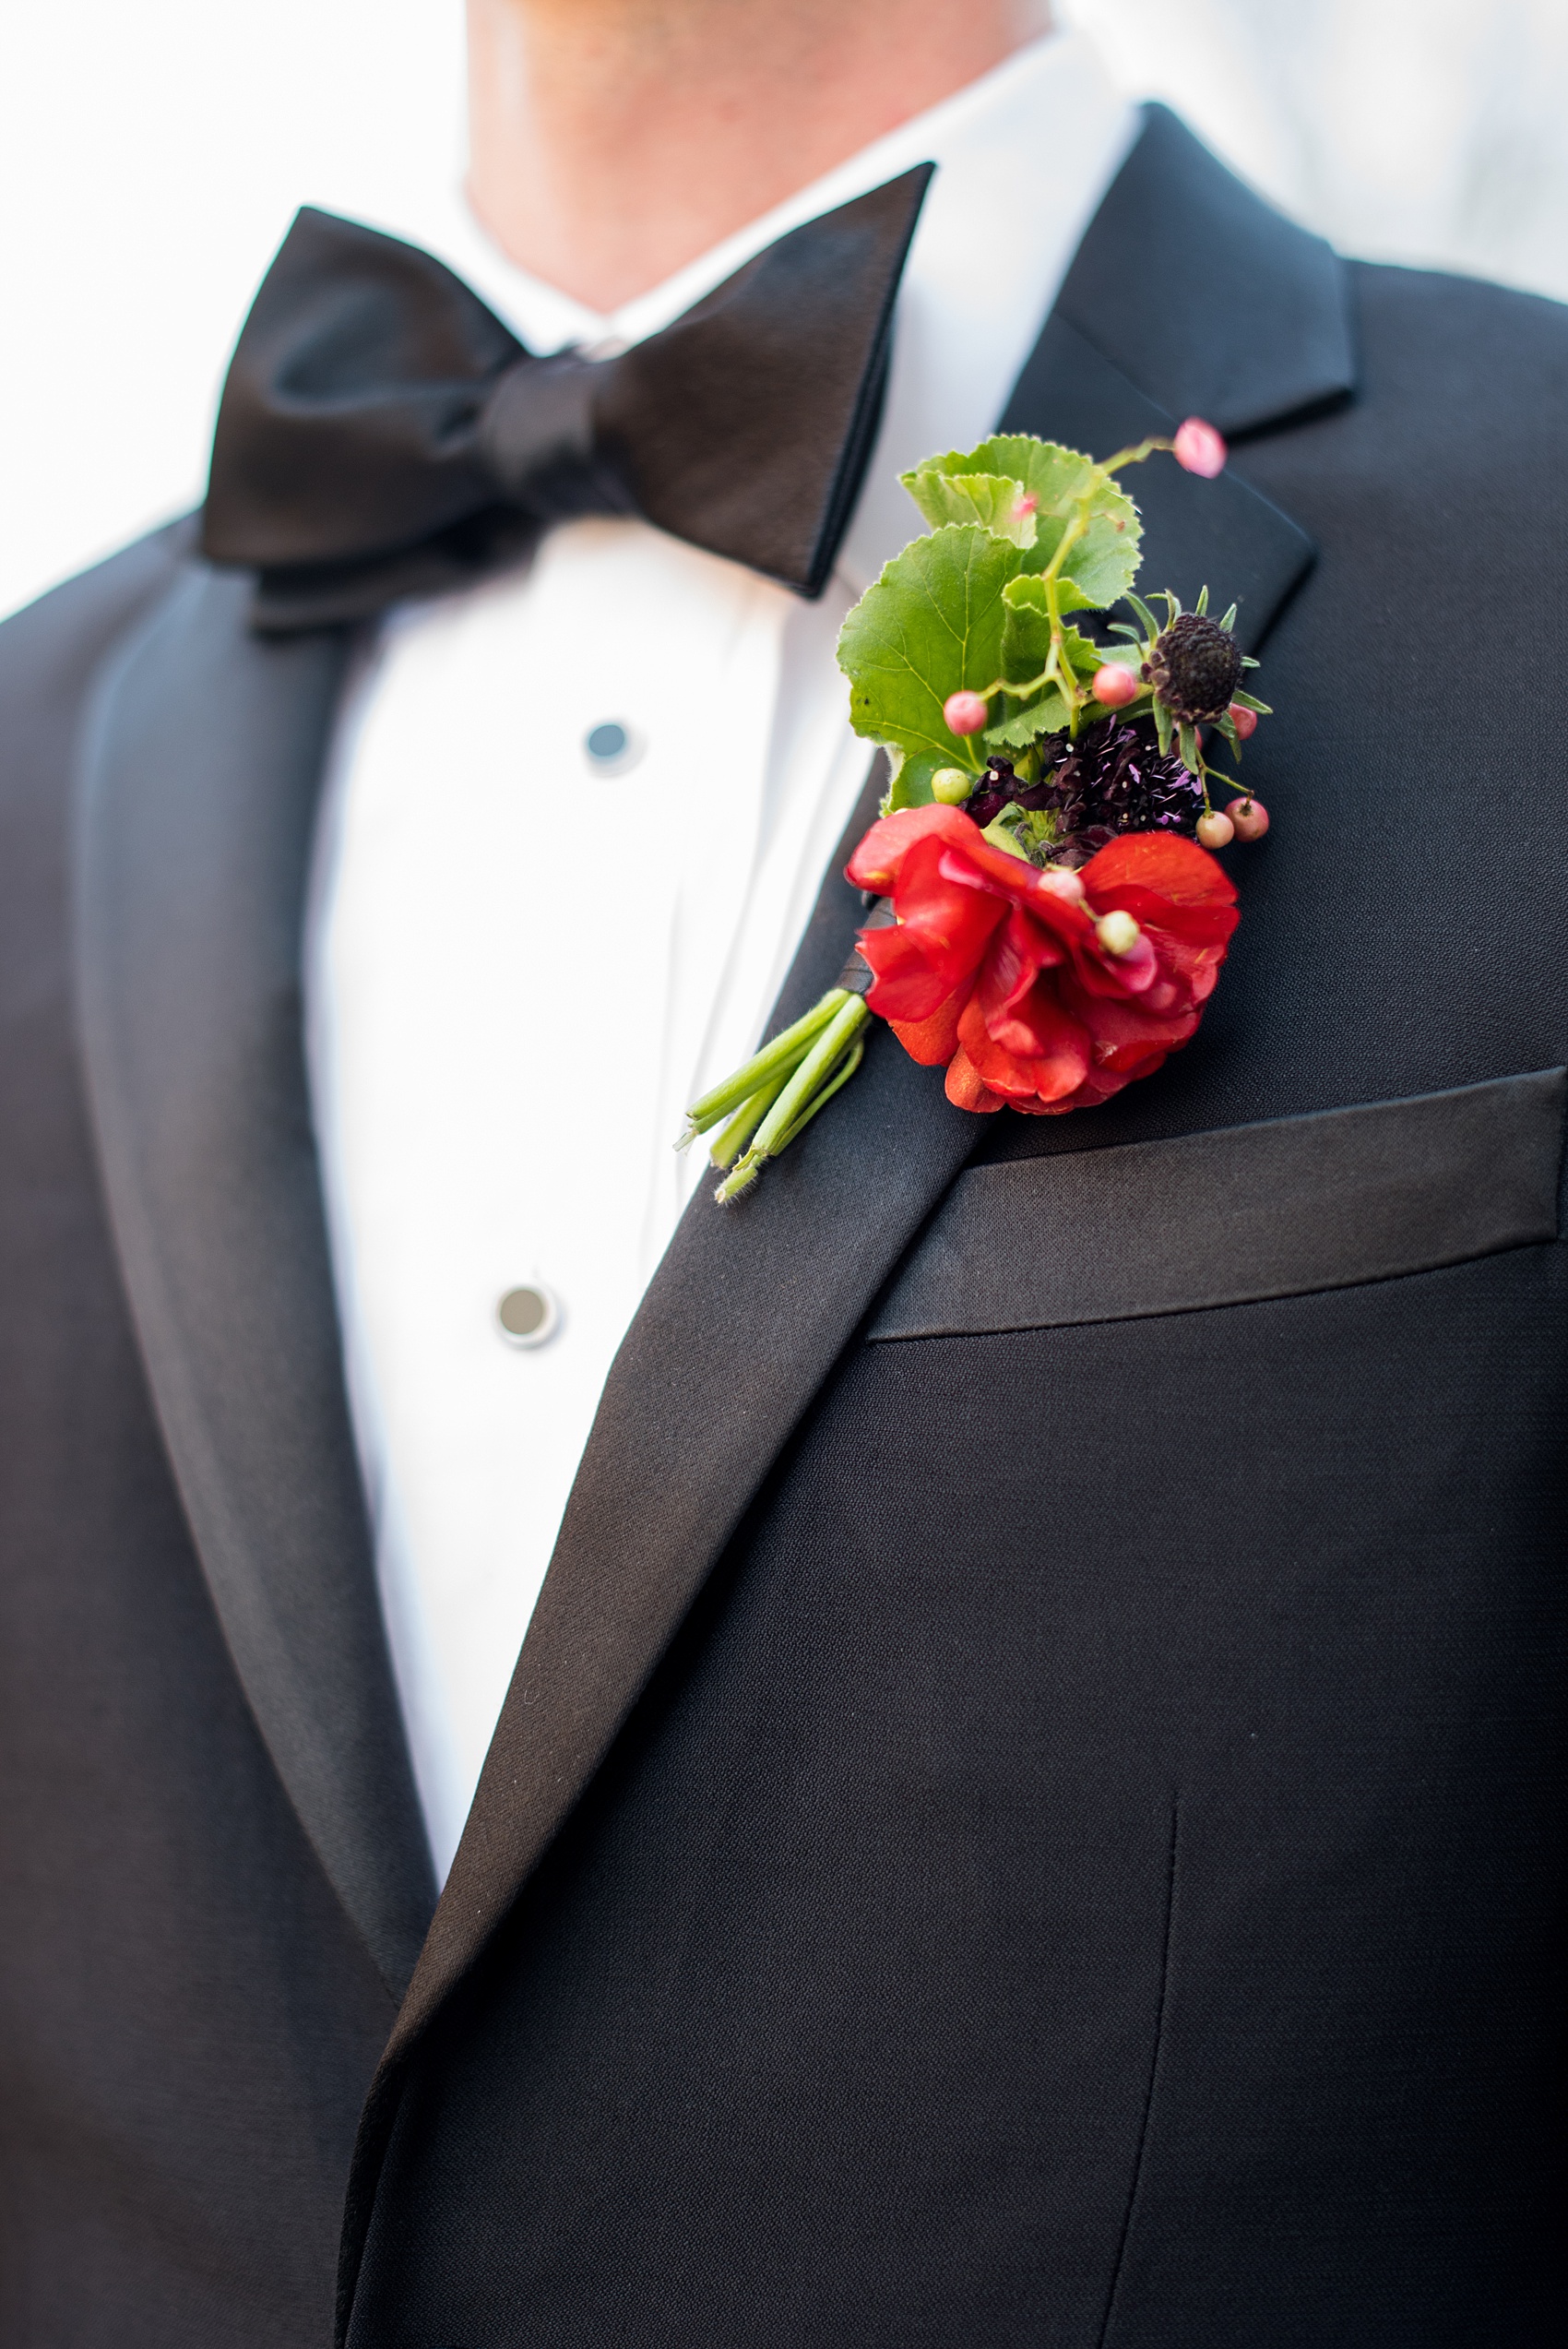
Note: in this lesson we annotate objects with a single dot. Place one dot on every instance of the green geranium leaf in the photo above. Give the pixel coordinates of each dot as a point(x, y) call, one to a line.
point(1026, 634)
point(1104, 563)
point(1084, 655)
point(1070, 596)
point(932, 624)
point(1051, 474)
point(1048, 716)
point(990, 499)
point(1026, 637)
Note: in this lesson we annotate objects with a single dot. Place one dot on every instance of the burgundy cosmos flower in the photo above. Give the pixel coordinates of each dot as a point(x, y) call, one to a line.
point(1001, 971)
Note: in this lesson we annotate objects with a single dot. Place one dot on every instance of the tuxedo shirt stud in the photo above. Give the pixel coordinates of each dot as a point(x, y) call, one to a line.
point(610, 747)
point(529, 1315)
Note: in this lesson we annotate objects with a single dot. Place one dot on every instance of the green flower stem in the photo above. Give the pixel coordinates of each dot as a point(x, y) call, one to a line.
point(1135, 455)
point(786, 1052)
point(818, 1075)
point(727, 1146)
point(1059, 671)
point(841, 1075)
point(848, 1018)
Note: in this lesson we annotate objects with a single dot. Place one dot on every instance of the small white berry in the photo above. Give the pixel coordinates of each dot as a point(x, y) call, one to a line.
point(1117, 932)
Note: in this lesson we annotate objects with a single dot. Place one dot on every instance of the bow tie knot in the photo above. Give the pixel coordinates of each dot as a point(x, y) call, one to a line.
point(538, 436)
point(381, 434)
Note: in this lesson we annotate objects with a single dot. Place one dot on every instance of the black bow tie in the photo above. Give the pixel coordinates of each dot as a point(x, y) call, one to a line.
point(381, 434)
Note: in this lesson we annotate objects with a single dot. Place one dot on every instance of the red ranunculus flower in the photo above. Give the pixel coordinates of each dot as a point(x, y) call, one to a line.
point(994, 967)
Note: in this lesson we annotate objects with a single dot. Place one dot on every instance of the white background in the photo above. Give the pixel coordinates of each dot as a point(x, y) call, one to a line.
point(153, 152)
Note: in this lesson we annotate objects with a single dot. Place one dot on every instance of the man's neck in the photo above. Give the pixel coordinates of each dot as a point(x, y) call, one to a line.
point(611, 142)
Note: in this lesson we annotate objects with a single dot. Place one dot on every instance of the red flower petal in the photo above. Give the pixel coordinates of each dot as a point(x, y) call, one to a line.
point(1167, 862)
point(1198, 924)
point(1099, 1086)
point(877, 862)
point(1139, 972)
point(964, 1088)
point(1046, 1074)
point(935, 1040)
point(1018, 952)
point(951, 922)
point(905, 987)
point(1123, 1032)
point(937, 942)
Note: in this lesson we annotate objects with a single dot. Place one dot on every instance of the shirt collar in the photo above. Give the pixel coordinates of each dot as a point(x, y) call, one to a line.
point(1024, 157)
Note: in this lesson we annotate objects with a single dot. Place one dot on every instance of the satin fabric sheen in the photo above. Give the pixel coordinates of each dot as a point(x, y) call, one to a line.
point(381, 434)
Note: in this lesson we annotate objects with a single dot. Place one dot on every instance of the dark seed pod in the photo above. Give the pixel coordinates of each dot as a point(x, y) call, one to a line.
point(1195, 667)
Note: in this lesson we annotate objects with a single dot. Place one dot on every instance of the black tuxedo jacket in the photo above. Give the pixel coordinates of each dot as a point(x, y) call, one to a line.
point(1030, 1811)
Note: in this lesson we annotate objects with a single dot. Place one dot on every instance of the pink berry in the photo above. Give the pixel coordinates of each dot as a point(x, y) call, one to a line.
point(1245, 721)
point(1198, 447)
point(1028, 504)
point(966, 713)
point(1115, 686)
point(1250, 819)
point(1215, 830)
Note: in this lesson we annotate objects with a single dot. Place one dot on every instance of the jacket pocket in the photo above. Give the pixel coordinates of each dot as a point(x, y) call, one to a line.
point(1273, 1209)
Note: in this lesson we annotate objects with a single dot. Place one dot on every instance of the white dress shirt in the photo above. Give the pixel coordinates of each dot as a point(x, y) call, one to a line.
point(522, 965)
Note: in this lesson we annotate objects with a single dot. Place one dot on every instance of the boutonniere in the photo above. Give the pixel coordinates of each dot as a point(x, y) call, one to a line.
point(1046, 919)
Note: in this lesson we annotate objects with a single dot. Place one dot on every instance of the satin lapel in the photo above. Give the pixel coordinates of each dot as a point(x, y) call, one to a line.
point(198, 796)
point(753, 1306)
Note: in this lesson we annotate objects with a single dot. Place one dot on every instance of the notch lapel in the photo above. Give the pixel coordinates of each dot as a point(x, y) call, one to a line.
point(1196, 533)
point(753, 1306)
point(198, 796)
point(1189, 296)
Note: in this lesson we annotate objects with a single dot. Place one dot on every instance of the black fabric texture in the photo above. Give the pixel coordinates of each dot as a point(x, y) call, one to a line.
point(188, 2022)
point(1010, 1920)
point(191, 858)
point(1049, 1837)
point(1178, 243)
point(381, 434)
point(1242, 1212)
